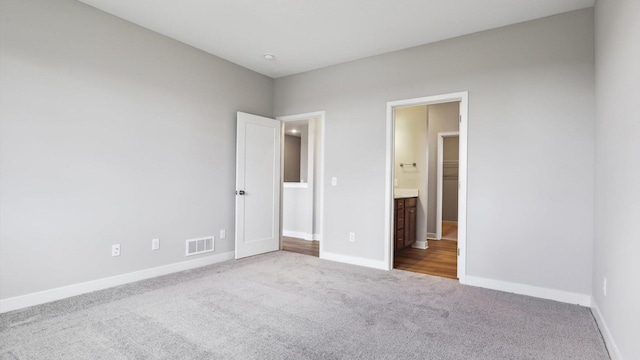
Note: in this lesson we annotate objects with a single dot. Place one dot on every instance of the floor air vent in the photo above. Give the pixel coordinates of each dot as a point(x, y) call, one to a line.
point(199, 246)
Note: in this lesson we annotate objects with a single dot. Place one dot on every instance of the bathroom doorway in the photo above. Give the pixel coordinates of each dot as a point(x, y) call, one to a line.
point(415, 211)
point(422, 190)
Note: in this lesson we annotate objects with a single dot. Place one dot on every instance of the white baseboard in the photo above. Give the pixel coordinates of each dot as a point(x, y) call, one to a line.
point(432, 236)
point(298, 234)
point(614, 352)
point(529, 290)
point(376, 264)
point(317, 237)
point(41, 297)
point(420, 244)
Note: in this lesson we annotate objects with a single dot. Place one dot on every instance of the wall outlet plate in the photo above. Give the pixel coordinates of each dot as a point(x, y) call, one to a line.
point(352, 236)
point(223, 234)
point(155, 244)
point(115, 250)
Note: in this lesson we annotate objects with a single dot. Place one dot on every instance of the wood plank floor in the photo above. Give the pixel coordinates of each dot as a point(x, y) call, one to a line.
point(439, 259)
point(301, 246)
point(450, 230)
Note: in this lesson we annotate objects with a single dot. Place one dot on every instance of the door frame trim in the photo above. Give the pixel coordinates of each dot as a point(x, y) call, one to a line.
point(320, 186)
point(439, 183)
point(463, 98)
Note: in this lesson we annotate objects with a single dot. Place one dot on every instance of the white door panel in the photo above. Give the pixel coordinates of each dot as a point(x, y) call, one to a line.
point(257, 185)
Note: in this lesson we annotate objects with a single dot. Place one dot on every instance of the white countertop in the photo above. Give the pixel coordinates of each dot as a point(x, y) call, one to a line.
point(404, 196)
point(405, 193)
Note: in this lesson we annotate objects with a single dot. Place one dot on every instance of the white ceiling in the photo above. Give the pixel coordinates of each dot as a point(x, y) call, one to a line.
point(310, 34)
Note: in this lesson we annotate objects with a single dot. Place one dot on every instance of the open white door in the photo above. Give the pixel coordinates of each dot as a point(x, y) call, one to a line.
point(257, 185)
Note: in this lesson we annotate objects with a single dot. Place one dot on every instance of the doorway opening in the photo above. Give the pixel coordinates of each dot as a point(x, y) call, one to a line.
point(302, 185)
point(419, 186)
point(425, 185)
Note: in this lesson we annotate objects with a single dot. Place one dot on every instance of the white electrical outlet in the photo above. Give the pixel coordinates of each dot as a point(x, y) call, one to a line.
point(395, 182)
point(155, 244)
point(604, 286)
point(115, 250)
point(352, 236)
point(334, 181)
point(223, 234)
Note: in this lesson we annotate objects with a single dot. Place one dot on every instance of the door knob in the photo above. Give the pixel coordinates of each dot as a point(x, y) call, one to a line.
point(241, 192)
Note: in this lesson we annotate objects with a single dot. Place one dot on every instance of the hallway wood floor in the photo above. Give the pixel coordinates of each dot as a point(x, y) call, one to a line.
point(450, 230)
point(440, 259)
point(301, 246)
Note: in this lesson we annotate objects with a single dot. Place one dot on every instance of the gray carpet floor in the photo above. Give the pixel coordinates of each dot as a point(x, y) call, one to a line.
point(289, 306)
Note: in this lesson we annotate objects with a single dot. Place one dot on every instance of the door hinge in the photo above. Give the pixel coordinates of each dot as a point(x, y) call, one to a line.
point(460, 118)
point(458, 251)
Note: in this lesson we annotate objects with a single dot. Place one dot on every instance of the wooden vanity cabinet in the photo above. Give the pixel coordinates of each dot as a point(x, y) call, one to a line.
point(405, 222)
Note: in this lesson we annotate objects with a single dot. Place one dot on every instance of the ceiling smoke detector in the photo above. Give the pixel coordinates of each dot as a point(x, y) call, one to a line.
point(269, 56)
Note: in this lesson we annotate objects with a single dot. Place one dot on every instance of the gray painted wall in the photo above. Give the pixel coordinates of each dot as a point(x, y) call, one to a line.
point(617, 200)
point(110, 133)
point(531, 95)
point(291, 158)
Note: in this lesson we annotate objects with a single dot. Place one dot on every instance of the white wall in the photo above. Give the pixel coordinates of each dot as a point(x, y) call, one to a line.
point(531, 95)
point(617, 207)
point(410, 147)
point(297, 212)
point(110, 133)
